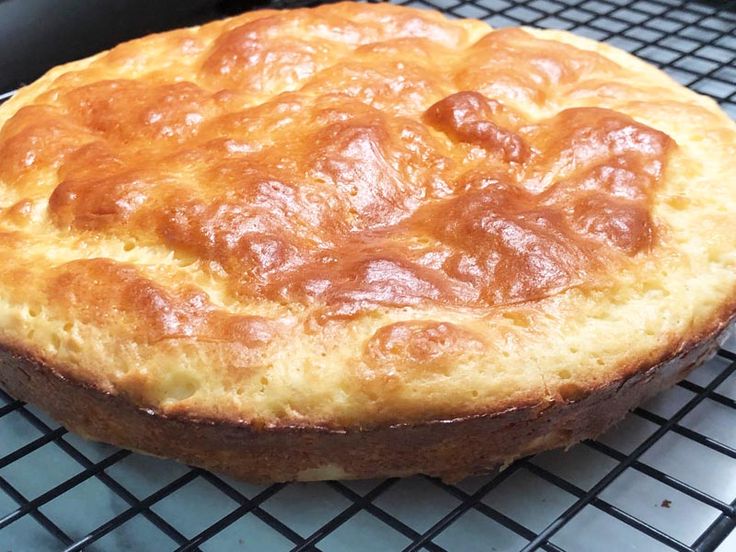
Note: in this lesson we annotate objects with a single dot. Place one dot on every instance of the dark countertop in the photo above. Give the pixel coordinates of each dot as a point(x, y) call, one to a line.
point(36, 35)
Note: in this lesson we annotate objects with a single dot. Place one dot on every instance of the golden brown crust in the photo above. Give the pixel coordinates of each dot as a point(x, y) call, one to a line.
point(359, 216)
point(451, 449)
point(339, 221)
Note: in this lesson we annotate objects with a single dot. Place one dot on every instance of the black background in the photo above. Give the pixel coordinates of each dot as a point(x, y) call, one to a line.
point(35, 35)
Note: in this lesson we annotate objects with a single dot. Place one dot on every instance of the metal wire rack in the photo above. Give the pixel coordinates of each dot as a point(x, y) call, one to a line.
point(663, 479)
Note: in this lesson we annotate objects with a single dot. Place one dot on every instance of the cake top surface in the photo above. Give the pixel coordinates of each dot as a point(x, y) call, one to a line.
point(321, 214)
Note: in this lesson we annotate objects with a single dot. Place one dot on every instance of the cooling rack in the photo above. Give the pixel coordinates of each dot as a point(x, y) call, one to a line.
point(663, 479)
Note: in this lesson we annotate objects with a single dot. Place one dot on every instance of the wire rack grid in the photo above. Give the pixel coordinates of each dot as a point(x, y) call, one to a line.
point(663, 479)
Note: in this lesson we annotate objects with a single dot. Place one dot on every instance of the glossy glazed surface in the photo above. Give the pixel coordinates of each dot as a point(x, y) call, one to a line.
point(329, 196)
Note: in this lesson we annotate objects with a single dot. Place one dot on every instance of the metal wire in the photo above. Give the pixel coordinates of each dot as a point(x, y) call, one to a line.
point(696, 43)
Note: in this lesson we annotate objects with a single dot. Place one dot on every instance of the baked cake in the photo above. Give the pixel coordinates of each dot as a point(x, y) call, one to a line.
point(359, 240)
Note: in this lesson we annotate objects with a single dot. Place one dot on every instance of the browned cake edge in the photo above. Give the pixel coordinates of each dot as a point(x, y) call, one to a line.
point(451, 449)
